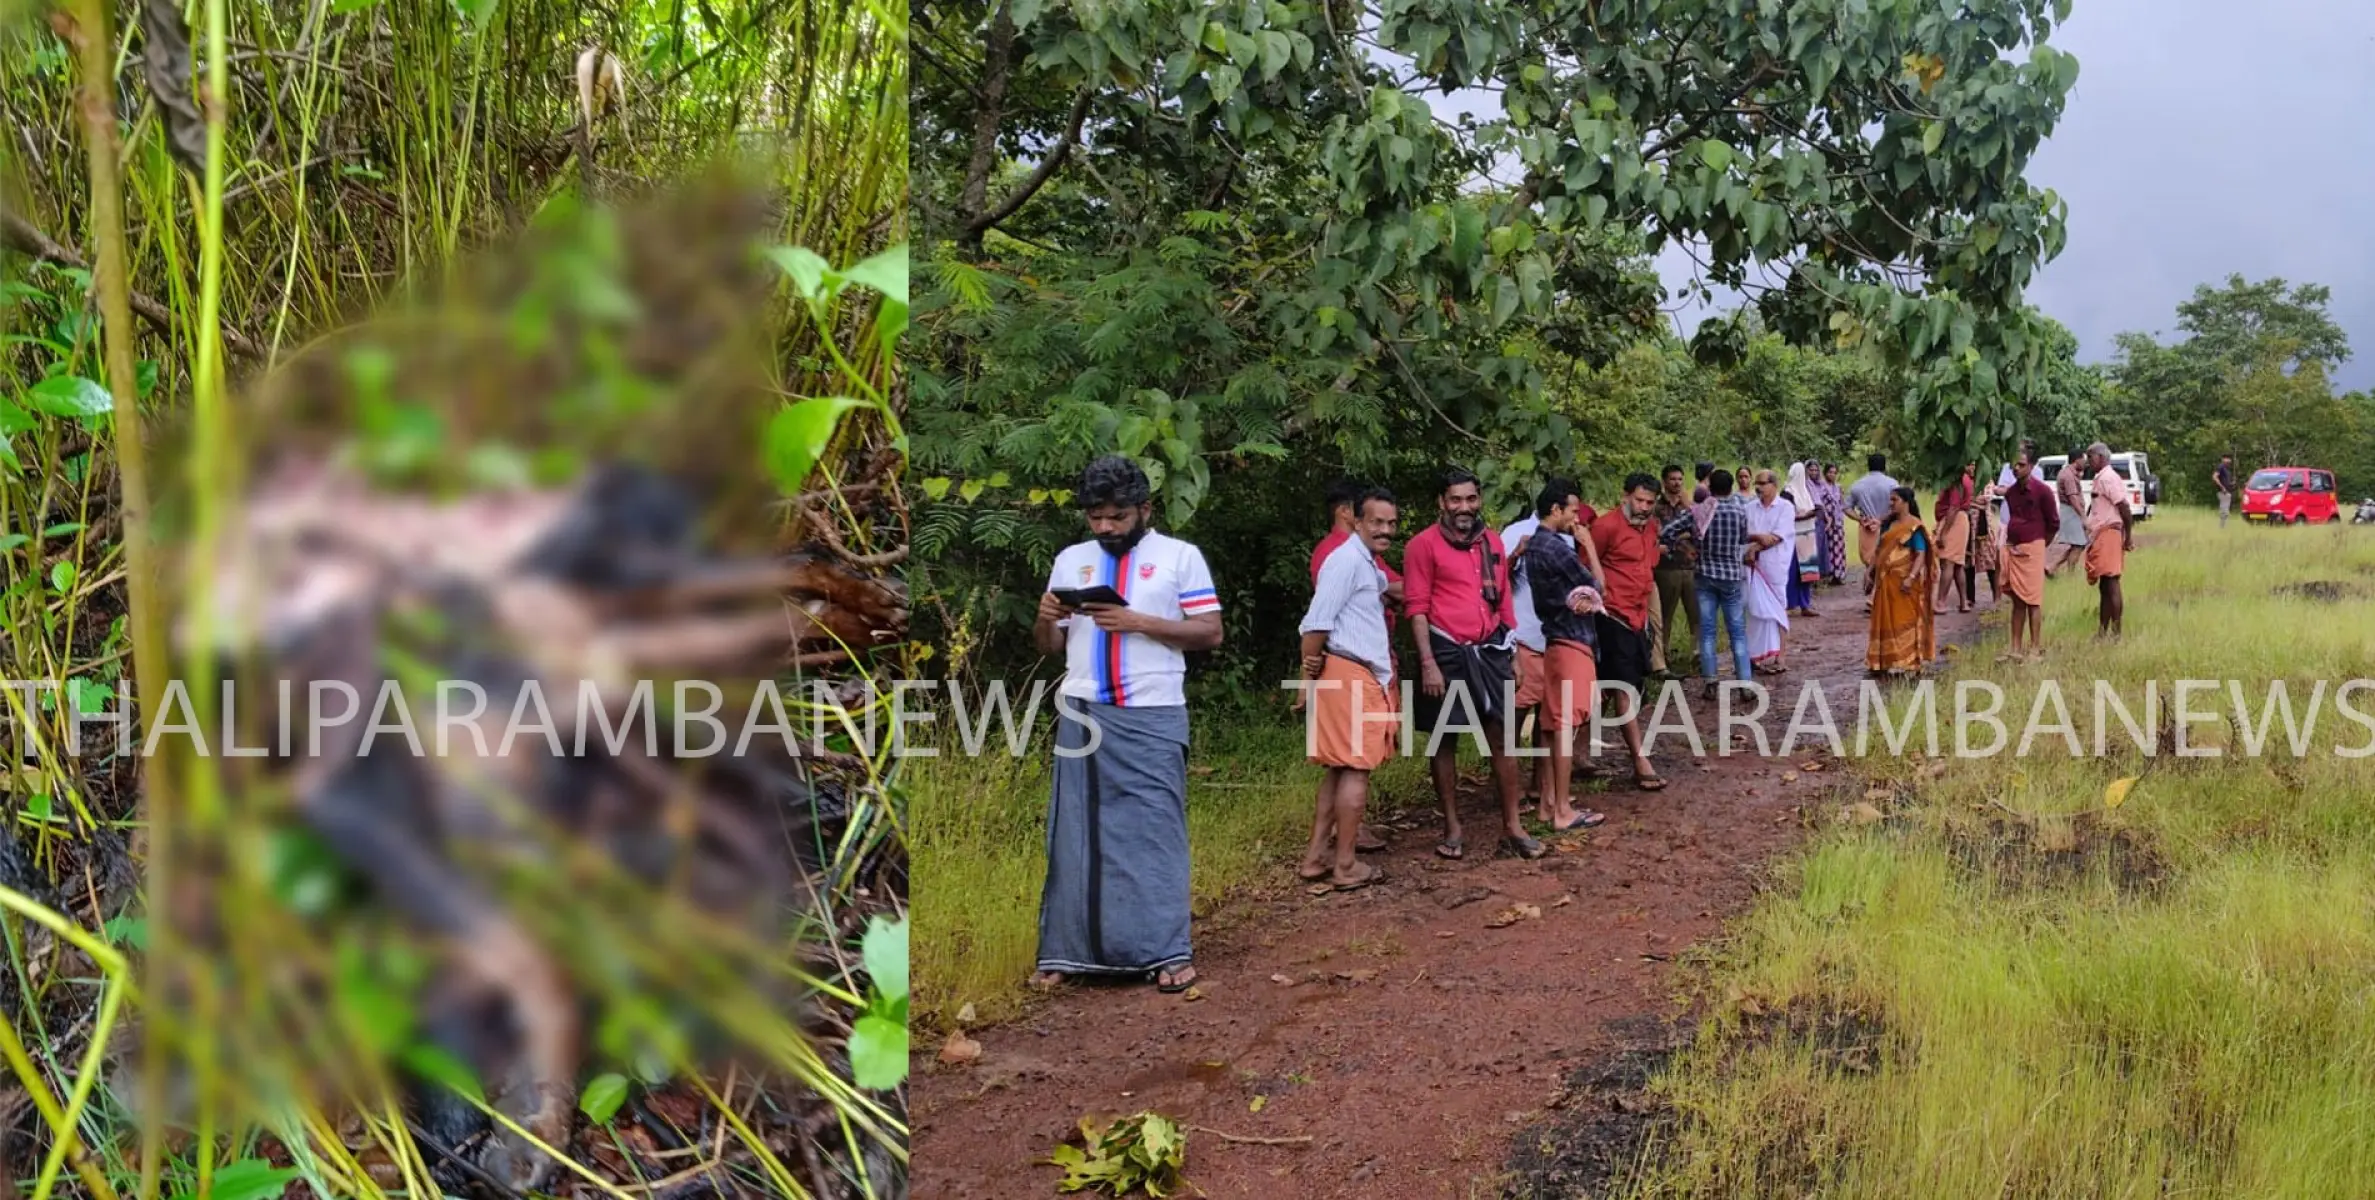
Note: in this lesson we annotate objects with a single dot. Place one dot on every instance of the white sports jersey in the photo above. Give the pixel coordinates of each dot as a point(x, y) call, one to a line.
point(1160, 576)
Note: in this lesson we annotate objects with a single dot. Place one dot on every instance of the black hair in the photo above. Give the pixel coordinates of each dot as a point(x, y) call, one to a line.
point(1669, 469)
point(1554, 492)
point(1113, 479)
point(1701, 470)
point(1344, 492)
point(1454, 477)
point(1361, 503)
point(1719, 483)
point(1638, 480)
point(1912, 502)
point(1876, 463)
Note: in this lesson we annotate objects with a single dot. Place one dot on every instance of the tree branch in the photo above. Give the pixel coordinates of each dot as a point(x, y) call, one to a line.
point(1039, 177)
point(18, 234)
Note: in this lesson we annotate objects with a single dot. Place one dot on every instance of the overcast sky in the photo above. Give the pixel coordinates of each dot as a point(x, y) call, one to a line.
point(2206, 138)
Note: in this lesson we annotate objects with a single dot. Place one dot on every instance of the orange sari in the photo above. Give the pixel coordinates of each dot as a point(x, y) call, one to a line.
point(1904, 619)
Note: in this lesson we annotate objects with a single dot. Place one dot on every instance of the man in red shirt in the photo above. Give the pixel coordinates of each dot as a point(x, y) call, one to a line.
point(1456, 589)
point(2033, 514)
point(1343, 497)
point(1629, 550)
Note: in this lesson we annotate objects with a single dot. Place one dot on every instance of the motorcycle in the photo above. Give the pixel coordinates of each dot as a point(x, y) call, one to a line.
point(2366, 513)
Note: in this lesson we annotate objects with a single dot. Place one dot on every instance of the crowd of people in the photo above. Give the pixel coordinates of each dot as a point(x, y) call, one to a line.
point(1562, 613)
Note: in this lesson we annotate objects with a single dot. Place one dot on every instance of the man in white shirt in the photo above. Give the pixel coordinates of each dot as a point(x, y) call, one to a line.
point(1351, 715)
point(1116, 898)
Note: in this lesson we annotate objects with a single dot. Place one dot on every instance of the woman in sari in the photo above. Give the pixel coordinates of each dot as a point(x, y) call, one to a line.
point(1830, 518)
point(1773, 556)
point(1904, 619)
point(1808, 570)
point(1954, 539)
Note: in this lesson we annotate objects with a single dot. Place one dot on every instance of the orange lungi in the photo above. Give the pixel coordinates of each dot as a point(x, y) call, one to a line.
point(1569, 681)
point(1529, 677)
point(2024, 573)
point(2106, 554)
point(1354, 721)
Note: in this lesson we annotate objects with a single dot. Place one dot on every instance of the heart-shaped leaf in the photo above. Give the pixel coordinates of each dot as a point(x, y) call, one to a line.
point(798, 435)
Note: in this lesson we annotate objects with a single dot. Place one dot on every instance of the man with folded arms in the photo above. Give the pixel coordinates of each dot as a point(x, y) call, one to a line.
point(1353, 716)
point(1627, 538)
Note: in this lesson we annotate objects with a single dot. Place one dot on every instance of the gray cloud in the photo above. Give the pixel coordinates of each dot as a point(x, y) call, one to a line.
point(2206, 138)
point(2203, 138)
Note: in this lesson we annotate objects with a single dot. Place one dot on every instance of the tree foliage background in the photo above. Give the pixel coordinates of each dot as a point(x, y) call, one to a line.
point(1239, 242)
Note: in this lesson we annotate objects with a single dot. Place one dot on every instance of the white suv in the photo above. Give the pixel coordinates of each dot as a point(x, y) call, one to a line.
point(2144, 487)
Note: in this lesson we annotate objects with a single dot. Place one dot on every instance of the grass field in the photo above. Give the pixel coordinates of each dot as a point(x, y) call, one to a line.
point(2013, 987)
point(976, 837)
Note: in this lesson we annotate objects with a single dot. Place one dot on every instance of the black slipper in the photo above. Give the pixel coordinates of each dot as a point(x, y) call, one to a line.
point(1177, 985)
point(1451, 848)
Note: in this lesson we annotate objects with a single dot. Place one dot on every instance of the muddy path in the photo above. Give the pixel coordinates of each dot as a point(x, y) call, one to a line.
point(1399, 1031)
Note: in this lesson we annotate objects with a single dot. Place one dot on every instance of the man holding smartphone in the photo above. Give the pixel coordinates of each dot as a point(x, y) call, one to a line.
point(1116, 897)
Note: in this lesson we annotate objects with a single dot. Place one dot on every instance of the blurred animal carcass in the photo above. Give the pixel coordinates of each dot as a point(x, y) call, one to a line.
point(545, 478)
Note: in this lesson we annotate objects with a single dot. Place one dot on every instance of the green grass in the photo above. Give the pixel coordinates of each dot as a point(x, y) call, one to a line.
point(2088, 1034)
point(976, 837)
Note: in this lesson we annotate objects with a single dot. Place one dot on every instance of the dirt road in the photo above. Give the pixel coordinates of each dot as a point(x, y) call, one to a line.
point(1393, 1027)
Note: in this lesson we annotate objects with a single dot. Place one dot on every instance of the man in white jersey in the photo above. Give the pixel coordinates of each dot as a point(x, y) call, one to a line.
point(1116, 898)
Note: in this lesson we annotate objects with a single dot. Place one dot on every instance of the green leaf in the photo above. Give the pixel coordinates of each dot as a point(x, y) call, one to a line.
point(1932, 136)
point(126, 931)
point(808, 270)
point(602, 1097)
point(798, 435)
point(14, 419)
point(885, 272)
point(438, 1065)
point(70, 396)
point(1715, 154)
point(248, 1179)
point(936, 487)
point(70, 527)
point(878, 1052)
point(61, 576)
point(89, 696)
point(885, 951)
point(477, 12)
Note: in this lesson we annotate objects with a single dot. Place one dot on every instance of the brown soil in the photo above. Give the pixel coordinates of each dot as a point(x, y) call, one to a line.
point(1417, 1048)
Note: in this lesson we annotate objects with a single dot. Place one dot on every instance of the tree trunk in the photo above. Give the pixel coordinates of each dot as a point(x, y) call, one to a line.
point(997, 68)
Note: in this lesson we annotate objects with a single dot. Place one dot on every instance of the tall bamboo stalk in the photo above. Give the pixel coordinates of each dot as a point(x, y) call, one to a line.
point(149, 651)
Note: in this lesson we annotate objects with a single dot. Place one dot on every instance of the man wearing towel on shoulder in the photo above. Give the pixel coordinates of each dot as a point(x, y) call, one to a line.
point(2109, 535)
point(1116, 898)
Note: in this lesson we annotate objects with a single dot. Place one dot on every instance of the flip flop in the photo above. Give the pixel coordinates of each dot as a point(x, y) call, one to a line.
point(1048, 981)
point(1370, 844)
point(1369, 875)
point(1177, 984)
point(1524, 847)
point(1650, 783)
point(1308, 877)
point(1583, 820)
point(1451, 848)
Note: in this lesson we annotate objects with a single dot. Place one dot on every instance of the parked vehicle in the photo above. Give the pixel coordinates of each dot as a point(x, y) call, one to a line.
point(2291, 496)
point(2144, 487)
point(2366, 512)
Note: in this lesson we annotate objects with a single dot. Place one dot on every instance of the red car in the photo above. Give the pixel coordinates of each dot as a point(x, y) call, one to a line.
point(2291, 496)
